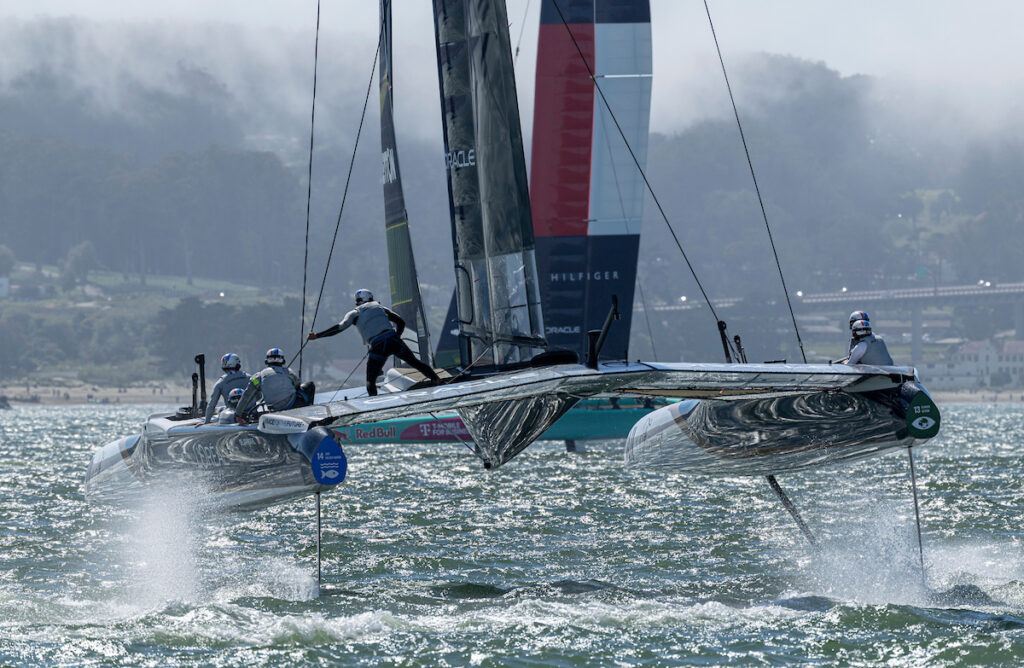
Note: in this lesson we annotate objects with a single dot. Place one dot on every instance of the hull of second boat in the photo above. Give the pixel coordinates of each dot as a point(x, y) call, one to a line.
point(231, 467)
point(770, 435)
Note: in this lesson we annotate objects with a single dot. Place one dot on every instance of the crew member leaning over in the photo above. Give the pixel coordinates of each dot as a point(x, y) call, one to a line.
point(374, 323)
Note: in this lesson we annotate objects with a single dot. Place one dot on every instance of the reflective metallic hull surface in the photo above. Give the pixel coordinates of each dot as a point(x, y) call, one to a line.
point(524, 393)
point(229, 466)
point(768, 435)
point(503, 429)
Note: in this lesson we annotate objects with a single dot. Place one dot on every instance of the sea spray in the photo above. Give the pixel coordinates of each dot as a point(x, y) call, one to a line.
point(875, 561)
point(160, 545)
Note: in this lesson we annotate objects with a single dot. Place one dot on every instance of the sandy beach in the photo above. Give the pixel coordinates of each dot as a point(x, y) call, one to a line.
point(73, 391)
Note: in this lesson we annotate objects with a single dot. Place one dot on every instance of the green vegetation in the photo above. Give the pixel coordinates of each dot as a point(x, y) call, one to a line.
point(130, 224)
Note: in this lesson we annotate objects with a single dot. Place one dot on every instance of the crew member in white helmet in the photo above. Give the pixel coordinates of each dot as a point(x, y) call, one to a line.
point(277, 386)
point(869, 349)
point(381, 329)
point(233, 378)
point(854, 317)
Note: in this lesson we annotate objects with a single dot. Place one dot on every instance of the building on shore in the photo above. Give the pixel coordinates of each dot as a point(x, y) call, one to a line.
point(990, 363)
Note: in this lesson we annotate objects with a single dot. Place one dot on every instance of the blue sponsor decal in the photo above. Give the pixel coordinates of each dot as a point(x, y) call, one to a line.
point(329, 463)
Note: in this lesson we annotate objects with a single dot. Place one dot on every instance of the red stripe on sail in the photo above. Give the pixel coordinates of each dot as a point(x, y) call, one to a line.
point(563, 126)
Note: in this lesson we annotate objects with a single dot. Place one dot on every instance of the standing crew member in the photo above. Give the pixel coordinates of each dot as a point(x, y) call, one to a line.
point(374, 323)
point(233, 378)
point(277, 385)
point(869, 350)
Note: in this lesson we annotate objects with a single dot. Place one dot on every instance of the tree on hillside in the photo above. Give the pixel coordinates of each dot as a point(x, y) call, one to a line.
point(6, 261)
point(81, 259)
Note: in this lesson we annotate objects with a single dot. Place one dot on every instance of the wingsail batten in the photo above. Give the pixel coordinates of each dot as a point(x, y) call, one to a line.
point(500, 319)
point(405, 292)
point(586, 193)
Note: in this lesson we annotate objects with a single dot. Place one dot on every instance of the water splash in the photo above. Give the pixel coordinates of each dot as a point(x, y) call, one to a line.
point(159, 546)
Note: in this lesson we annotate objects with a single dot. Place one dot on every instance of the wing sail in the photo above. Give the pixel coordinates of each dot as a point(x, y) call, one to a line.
point(500, 321)
point(586, 192)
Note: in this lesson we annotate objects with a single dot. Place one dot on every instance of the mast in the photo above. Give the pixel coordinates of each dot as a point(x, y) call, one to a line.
point(500, 321)
point(405, 289)
point(586, 194)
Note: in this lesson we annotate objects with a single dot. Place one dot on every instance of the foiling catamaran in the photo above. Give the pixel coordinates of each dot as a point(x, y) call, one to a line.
point(508, 387)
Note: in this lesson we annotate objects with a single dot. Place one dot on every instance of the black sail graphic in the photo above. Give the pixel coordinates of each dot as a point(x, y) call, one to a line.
point(499, 311)
point(405, 289)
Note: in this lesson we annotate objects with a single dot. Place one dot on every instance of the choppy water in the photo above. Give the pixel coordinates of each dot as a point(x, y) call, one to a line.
point(555, 559)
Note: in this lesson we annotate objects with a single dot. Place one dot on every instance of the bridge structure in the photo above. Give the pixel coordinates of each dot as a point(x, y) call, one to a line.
point(911, 302)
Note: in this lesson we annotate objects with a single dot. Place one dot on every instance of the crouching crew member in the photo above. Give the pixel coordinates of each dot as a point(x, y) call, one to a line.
point(868, 349)
point(277, 386)
point(377, 325)
point(233, 378)
point(227, 416)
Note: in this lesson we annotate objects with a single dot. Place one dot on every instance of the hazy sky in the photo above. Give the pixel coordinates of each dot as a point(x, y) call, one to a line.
point(966, 52)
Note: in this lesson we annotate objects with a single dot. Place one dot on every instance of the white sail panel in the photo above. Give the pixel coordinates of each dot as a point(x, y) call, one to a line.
point(623, 67)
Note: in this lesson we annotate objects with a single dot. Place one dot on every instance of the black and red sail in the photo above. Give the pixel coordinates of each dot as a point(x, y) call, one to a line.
point(585, 191)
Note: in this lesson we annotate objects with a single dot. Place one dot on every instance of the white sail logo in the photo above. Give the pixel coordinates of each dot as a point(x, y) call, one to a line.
point(457, 159)
point(574, 276)
point(389, 174)
point(923, 423)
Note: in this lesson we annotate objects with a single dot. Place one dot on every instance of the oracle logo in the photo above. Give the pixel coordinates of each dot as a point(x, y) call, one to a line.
point(388, 165)
point(458, 159)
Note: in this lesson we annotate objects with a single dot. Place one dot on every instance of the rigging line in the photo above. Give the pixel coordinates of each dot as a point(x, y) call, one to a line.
point(342, 385)
point(522, 28)
point(757, 189)
point(463, 372)
point(348, 180)
point(650, 332)
point(456, 435)
point(622, 208)
point(309, 187)
point(636, 161)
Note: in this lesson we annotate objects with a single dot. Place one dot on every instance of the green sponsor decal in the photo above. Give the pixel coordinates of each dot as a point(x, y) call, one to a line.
point(923, 416)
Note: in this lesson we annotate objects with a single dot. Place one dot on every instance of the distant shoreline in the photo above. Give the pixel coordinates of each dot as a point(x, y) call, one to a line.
point(76, 393)
point(985, 396)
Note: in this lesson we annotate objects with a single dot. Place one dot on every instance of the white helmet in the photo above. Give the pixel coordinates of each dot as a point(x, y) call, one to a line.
point(233, 397)
point(230, 362)
point(861, 328)
point(275, 357)
point(858, 315)
point(363, 296)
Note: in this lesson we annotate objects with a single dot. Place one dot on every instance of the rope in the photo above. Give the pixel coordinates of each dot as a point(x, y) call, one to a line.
point(342, 385)
point(522, 28)
point(344, 196)
point(447, 427)
point(647, 319)
point(750, 164)
point(636, 161)
point(309, 188)
point(622, 208)
point(471, 365)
